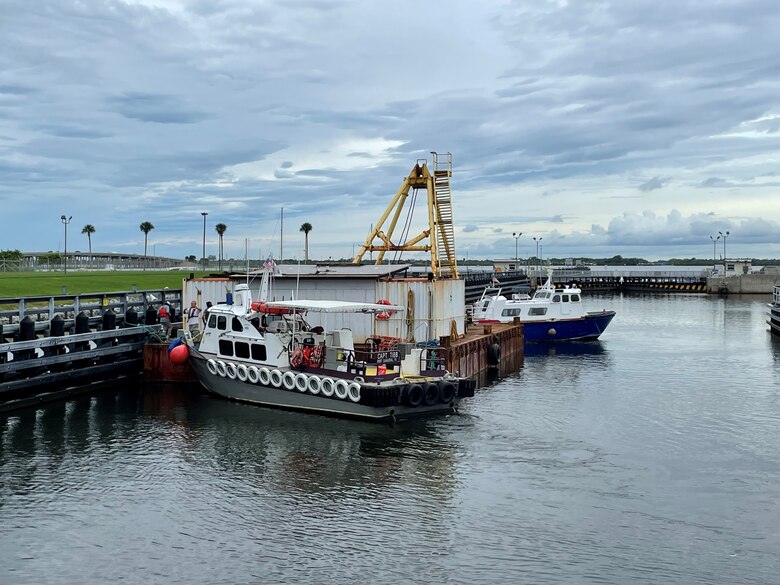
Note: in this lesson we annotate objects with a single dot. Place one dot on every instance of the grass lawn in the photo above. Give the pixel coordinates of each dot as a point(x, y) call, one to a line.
point(28, 284)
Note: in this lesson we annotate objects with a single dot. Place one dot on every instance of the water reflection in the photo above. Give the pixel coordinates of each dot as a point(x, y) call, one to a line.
point(564, 348)
point(315, 454)
point(281, 450)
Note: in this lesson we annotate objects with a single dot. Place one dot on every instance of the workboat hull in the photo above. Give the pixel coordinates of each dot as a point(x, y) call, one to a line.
point(586, 328)
point(281, 397)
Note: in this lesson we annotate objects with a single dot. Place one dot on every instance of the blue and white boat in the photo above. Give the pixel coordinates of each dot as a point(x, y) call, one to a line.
point(774, 312)
point(553, 314)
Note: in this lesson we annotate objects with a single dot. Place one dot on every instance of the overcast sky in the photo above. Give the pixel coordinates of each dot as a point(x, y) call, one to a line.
point(635, 127)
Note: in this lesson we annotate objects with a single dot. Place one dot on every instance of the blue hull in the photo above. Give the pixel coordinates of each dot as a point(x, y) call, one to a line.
point(580, 329)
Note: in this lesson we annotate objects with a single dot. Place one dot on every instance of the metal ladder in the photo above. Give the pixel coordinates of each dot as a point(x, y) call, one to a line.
point(445, 230)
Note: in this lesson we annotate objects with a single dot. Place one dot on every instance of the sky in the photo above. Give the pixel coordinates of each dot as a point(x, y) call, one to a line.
point(639, 128)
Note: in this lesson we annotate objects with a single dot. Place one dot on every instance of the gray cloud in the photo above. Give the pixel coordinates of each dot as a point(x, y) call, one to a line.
point(147, 107)
point(654, 183)
point(126, 104)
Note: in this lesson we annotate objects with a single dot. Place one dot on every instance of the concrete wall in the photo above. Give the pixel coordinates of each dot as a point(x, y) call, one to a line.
point(755, 283)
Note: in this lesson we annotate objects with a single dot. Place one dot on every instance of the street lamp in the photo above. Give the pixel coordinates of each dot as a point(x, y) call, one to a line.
point(204, 214)
point(537, 240)
point(714, 241)
point(724, 236)
point(516, 235)
point(66, 221)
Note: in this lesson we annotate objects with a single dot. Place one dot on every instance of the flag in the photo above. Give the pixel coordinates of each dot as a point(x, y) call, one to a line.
point(268, 264)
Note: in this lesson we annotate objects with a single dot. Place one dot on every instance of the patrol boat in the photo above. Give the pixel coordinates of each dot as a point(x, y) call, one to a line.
point(266, 353)
point(553, 314)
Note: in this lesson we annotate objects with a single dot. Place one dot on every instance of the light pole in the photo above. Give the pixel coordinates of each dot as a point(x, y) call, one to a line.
point(537, 240)
point(204, 214)
point(724, 236)
point(714, 242)
point(66, 221)
point(516, 235)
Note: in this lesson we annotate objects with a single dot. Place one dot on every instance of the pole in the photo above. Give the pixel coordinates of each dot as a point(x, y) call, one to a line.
point(204, 214)
point(66, 221)
point(281, 237)
point(726, 235)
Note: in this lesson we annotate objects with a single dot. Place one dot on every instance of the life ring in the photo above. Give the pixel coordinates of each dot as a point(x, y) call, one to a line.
point(288, 380)
point(327, 387)
point(241, 372)
point(275, 377)
point(230, 370)
point(252, 375)
point(384, 315)
point(296, 358)
point(315, 384)
point(301, 382)
point(264, 375)
point(341, 389)
point(221, 368)
point(212, 366)
point(353, 391)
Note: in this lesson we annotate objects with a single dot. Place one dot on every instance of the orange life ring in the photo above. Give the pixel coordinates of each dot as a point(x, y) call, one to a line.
point(384, 315)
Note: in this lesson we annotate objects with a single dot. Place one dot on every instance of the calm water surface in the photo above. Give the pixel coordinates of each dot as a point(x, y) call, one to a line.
point(649, 457)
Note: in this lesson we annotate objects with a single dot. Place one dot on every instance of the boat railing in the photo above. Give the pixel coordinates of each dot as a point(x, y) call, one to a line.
point(433, 360)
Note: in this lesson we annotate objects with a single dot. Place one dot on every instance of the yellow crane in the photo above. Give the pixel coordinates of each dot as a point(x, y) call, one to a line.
point(440, 232)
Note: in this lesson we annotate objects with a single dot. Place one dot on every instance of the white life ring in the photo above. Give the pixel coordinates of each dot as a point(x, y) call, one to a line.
point(354, 392)
point(288, 380)
point(315, 384)
point(341, 389)
point(212, 366)
point(241, 372)
point(301, 382)
point(251, 374)
point(265, 376)
point(275, 379)
point(221, 368)
point(327, 387)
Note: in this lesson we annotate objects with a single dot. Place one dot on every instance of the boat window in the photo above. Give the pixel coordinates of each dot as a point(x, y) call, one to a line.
point(556, 299)
point(511, 312)
point(485, 305)
point(225, 347)
point(258, 352)
point(221, 323)
point(213, 321)
point(236, 324)
point(575, 298)
point(565, 298)
point(535, 311)
point(242, 349)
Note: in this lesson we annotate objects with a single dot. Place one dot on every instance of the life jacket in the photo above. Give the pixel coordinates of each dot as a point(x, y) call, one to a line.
point(163, 312)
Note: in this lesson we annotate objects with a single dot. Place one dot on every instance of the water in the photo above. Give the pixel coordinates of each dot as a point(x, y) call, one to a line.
point(650, 457)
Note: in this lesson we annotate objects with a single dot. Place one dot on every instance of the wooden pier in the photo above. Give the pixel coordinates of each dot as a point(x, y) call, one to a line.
point(473, 353)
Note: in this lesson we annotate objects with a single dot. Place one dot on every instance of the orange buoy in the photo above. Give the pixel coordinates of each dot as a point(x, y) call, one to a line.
point(179, 355)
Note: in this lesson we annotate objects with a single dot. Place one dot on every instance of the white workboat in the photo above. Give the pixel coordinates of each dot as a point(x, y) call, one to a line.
point(268, 354)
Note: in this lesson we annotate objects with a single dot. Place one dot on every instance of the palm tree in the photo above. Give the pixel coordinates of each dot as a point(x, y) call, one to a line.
point(221, 229)
point(89, 229)
point(146, 227)
point(306, 228)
